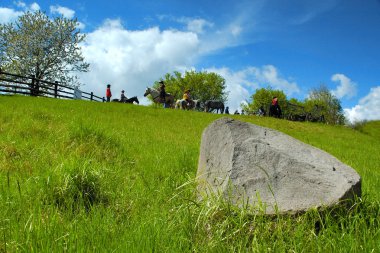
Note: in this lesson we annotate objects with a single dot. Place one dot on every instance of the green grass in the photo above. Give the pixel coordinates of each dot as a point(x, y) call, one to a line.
point(79, 176)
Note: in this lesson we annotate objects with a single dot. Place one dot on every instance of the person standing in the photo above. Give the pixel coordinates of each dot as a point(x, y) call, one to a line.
point(108, 93)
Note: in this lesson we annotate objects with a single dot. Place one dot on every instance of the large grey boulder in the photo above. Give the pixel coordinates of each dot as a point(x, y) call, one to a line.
point(261, 166)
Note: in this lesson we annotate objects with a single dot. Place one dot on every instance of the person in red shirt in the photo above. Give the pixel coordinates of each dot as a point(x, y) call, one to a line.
point(275, 101)
point(108, 93)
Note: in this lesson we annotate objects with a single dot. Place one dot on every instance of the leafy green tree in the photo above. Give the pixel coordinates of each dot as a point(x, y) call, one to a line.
point(322, 102)
point(45, 48)
point(263, 98)
point(203, 85)
point(294, 109)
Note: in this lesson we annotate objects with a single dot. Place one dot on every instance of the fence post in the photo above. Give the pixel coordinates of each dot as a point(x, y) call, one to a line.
point(32, 90)
point(56, 89)
point(92, 95)
point(104, 99)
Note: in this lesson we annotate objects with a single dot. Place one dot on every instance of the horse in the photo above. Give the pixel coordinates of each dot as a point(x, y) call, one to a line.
point(169, 99)
point(217, 105)
point(128, 101)
point(132, 100)
point(275, 111)
point(184, 105)
point(180, 104)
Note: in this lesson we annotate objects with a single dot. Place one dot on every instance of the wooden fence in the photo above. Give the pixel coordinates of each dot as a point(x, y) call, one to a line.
point(17, 84)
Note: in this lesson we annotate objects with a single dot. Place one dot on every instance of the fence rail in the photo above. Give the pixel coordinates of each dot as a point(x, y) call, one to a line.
point(17, 84)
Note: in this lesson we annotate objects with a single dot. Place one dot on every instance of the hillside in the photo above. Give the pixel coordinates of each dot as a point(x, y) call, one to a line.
point(85, 176)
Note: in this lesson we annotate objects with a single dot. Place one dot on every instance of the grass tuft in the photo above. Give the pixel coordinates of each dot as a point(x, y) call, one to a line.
point(80, 186)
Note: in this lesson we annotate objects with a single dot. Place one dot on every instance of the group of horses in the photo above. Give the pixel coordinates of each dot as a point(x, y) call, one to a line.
point(218, 106)
point(207, 106)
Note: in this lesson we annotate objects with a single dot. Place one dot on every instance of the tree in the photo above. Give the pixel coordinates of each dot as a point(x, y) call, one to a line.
point(203, 85)
point(263, 98)
point(45, 48)
point(322, 102)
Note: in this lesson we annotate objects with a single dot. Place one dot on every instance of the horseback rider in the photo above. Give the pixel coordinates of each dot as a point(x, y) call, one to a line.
point(123, 98)
point(163, 94)
point(187, 98)
point(162, 91)
point(275, 109)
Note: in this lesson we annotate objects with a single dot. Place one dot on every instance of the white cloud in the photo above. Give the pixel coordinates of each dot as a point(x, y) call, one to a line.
point(198, 25)
point(238, 85)
point(64, 11)
point(34, 7)
point(8, 15)
point(242, 84)
point(346, 88)
point(81, 25)
point(20, 4)
point(269, 75)
point(367, 109)
point(132, 60)
point(236, 30)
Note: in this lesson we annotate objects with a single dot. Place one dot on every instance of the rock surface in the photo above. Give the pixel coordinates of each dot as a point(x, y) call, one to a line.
point(246, 162)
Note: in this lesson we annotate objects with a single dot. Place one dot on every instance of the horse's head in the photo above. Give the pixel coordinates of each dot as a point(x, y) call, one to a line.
point(147, 92)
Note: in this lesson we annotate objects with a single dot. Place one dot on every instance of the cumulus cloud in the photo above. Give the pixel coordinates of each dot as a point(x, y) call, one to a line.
point(64, 11)
point(8, 15)
point(367, 109)
point(34, 7)
point(242, 84)
point(132, 60)
point(238, 85)
point(269, 75)
point(81, 25)
point(346, 88)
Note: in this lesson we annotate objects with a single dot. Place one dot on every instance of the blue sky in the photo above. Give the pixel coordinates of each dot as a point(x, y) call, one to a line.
point(293, 45)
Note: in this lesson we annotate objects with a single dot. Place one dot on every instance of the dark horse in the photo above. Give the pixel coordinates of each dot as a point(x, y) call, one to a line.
point(128, 101)
point(217, 105)
point(275, 111)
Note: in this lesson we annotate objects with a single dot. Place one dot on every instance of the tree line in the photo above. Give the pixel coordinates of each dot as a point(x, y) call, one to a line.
point(320, 105)
point(36, 45)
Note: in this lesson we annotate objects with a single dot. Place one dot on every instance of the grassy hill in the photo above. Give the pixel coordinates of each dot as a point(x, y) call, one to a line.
point(82, 176)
